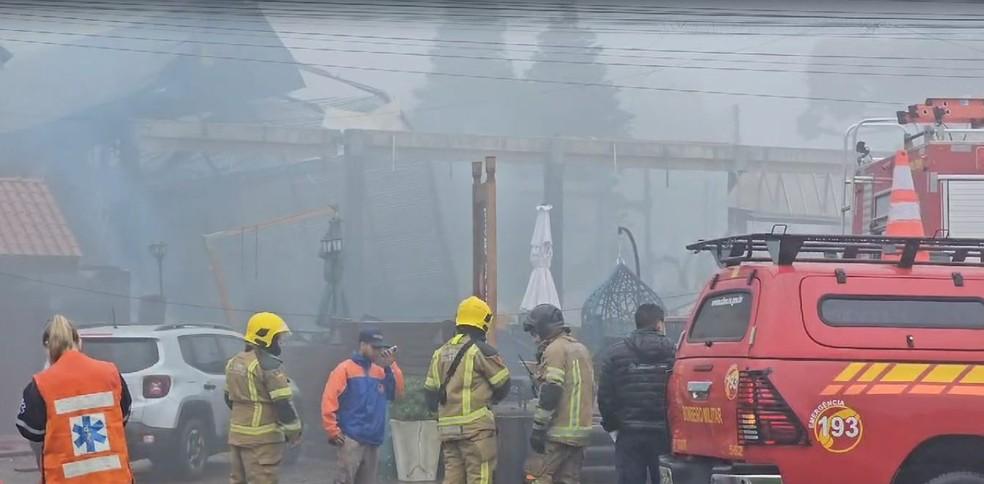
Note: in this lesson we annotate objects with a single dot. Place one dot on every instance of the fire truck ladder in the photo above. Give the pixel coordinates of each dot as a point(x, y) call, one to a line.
point(945, 110)
point(784, 249)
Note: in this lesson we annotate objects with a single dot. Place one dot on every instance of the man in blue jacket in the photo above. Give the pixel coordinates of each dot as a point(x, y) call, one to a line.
point(353, 406)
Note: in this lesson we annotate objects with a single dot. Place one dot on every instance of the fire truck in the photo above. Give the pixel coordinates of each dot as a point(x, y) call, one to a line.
point(944, 139)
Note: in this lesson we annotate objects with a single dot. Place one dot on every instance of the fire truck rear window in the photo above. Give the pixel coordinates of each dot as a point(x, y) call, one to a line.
point(722, 317)
point(903, 312)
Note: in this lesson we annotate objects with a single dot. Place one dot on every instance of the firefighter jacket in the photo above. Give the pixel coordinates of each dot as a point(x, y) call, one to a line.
point(84, 437)
point(480, 380)
point(355, 399)
point(566, 362)
point(258, 391)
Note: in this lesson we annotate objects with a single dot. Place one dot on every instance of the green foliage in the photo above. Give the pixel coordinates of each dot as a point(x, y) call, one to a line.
point(413, 406)
point(387, 458)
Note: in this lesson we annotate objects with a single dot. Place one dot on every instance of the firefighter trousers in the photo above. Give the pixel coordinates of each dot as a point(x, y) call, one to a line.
point(256, 464)
point(470, 460)
point(559, 464)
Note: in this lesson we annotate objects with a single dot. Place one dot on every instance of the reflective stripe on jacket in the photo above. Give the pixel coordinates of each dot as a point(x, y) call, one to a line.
point(567, 362)
point(355, 399)
point(470, 389)
point(252, 390)
point(84, 439)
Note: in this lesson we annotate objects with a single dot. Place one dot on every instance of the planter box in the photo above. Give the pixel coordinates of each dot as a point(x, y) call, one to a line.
point(417, 449)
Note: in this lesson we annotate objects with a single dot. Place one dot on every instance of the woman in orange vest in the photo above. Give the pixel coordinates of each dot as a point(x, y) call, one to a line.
point(77, 407)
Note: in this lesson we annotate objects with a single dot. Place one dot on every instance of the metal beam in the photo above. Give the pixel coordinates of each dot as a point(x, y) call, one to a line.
point(312, 142)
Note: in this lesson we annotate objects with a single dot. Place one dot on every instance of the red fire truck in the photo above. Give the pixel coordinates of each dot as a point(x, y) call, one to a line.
point(945, 142)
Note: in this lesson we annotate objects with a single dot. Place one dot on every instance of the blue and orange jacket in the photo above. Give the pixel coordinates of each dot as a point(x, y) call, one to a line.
point(355, 399)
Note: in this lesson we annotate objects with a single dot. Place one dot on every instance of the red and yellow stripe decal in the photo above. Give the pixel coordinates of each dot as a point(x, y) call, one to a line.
point(882, 378)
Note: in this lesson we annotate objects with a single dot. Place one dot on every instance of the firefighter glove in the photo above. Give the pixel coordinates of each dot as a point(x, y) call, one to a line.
point(538, 439)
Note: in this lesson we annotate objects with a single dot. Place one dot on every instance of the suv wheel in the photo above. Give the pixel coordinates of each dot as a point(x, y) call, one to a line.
point(958, 478)
point(190, 451)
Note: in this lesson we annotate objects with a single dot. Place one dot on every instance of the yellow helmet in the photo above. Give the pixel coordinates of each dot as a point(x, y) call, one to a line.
point(263, 327)
point(474, 312)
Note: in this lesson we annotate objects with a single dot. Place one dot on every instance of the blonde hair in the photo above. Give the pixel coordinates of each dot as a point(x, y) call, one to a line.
point(60, 336)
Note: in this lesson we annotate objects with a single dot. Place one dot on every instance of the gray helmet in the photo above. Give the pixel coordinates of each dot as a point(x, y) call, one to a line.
point(544, 320)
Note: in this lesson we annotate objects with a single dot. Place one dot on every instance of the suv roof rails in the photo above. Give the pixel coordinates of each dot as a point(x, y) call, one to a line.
point(784, 249)
point(170, 326)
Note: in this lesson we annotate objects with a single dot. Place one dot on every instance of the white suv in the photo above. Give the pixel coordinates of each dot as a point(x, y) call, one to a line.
point(176, 377)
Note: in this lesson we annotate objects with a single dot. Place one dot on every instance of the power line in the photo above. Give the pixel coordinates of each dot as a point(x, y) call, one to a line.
point(441, 107)
point(459, 44)
point(398, 9)
point(401, 41)
point(476, 26)
point(919, 74)
point(461, 75)
point(647, 9)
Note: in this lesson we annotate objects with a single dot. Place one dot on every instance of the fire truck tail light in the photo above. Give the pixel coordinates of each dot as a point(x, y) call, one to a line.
point(764, 417)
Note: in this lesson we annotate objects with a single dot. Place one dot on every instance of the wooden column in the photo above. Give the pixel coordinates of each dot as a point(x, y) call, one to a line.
point(484, 234)
point(491, 243)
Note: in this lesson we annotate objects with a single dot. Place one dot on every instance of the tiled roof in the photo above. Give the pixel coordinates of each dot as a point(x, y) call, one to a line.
point(31, 224)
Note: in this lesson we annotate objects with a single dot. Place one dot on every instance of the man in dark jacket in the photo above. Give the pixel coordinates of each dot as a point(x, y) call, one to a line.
point(632, 396)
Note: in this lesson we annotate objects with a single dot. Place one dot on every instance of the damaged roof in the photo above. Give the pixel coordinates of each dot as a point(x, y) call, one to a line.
point(31, 224)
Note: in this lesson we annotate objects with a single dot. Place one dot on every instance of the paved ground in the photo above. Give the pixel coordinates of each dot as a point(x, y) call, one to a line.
point(309, 470)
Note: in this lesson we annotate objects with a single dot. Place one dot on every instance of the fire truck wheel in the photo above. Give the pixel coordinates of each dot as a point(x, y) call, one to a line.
point(958, 478)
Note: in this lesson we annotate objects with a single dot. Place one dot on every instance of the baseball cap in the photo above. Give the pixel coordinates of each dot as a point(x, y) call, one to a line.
point(373, 337)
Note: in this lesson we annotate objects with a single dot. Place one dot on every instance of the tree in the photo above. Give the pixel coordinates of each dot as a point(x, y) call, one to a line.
point(551, 109)
point(450, 104)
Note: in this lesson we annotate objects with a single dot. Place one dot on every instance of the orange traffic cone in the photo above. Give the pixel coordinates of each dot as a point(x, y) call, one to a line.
point(904, 215)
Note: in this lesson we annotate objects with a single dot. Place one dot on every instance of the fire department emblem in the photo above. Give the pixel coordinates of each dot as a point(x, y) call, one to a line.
point(836, 427)
point(731, 382)
point(89, 434)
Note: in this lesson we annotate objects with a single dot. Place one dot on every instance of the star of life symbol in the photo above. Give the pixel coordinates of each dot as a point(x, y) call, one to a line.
point(89, 434)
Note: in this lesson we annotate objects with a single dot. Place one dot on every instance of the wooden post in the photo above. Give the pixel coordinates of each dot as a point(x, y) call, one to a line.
point(478, 231)
point(491, 248)
point(484, 268)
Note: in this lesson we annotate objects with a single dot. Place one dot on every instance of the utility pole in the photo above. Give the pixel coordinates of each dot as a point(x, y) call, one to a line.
point(159, 251)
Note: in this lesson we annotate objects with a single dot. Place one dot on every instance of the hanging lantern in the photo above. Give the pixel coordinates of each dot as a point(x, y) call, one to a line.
point(609, 312)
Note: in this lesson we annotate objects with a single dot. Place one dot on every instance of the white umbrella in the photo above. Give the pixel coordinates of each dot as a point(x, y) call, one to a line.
point(541, 288)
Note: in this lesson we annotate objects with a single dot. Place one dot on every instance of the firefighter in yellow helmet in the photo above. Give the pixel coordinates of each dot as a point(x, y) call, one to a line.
point(263, 417)
point(563, 417)
point(466, 377)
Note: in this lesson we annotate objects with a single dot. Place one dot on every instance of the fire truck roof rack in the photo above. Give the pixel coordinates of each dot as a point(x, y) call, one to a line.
point(784, 249)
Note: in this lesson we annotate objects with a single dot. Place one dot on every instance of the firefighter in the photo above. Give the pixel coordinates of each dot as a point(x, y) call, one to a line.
point(258, 392)
point(466, 377)
point(78, 408)
point(563, 417)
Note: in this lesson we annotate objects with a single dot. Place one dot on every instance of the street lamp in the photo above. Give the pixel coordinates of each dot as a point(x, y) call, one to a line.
point(333, 304)
point(159, 250)
point(331, 243)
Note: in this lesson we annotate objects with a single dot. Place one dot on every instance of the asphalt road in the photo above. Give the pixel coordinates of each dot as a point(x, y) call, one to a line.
point(308, 470)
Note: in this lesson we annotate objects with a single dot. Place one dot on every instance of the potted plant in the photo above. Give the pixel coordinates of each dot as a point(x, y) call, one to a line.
point(416, 442)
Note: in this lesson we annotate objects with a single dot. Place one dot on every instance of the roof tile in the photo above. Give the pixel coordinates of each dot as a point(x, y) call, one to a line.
point(30, 221)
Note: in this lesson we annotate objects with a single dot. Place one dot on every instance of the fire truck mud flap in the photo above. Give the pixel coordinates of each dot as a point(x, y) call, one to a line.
point(673, 470)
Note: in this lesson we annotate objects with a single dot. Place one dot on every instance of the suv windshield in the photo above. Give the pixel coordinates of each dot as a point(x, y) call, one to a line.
point(129, 354)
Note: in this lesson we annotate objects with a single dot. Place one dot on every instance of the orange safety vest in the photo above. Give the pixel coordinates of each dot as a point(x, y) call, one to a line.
point(84, 438)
